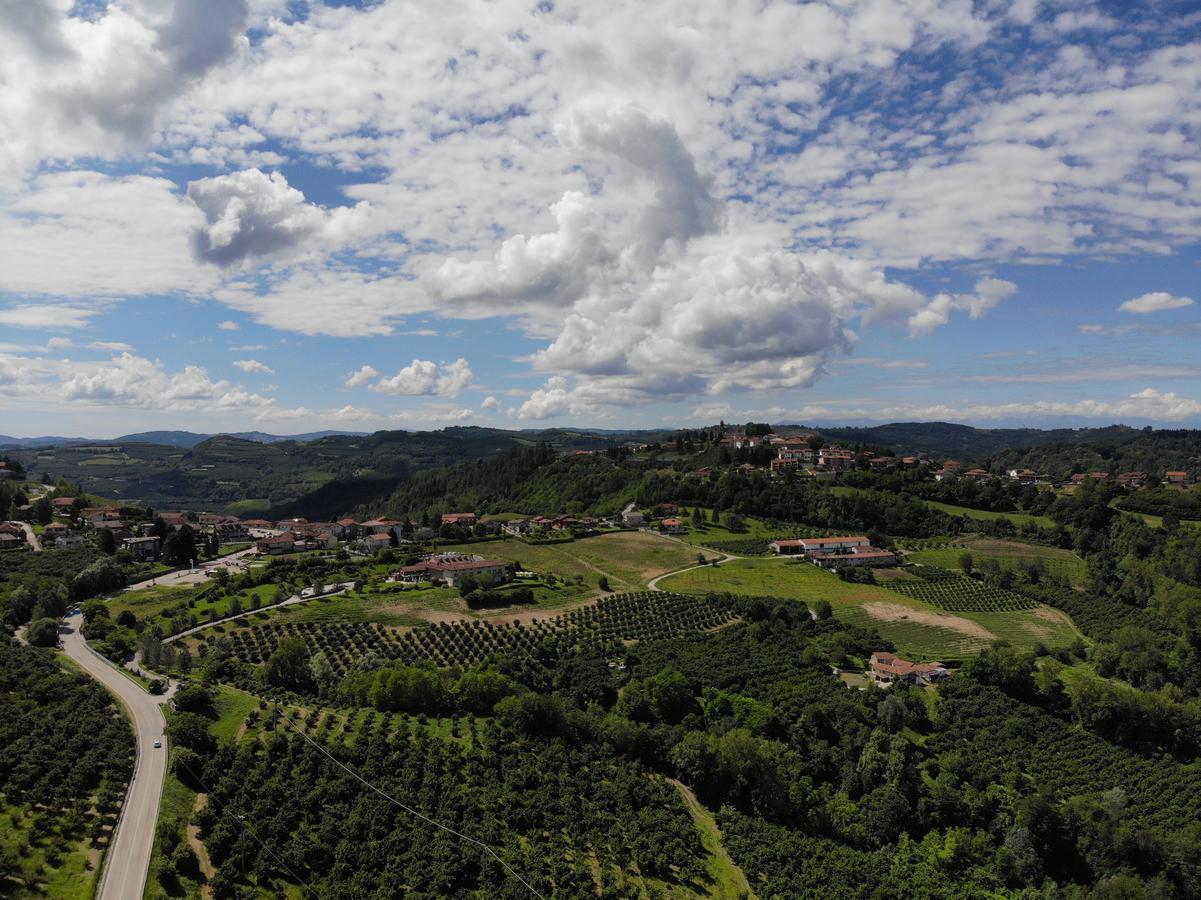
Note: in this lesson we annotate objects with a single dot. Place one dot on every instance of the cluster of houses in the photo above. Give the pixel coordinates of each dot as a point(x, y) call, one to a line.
point(12, 536)
point(835, 552)
point(888, 669)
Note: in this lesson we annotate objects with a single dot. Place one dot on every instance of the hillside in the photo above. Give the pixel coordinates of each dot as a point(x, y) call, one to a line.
point(946, 439)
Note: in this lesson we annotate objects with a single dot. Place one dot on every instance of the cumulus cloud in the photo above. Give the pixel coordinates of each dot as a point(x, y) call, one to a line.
point(552, 399)
point(129, 380)
point(490, 402)
point(1156, 301)
point(253, 366)
point(228, 325)
point(94, 85)
point(420, 377)
point(362, 377)
point(989, 293)
point(255, 214)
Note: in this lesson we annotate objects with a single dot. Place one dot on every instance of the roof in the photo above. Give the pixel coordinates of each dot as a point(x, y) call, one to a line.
point(673, 522)
point(788, 543)
point(460, 565)
point(379, 537)
point(832, 540)
point(894, 665)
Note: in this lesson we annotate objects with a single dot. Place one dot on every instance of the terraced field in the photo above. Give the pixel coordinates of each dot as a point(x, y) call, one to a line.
point(915, 627)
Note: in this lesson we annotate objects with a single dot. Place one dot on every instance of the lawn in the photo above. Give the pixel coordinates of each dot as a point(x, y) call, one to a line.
point(916, 628)
point(1062, 563)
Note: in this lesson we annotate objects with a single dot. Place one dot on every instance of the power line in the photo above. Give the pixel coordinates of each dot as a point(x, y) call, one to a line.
point(241, 821)
point(410, 810)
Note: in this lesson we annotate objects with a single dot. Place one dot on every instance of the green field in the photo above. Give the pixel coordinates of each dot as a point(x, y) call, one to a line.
point(159, 605)
point(46, 867)
point(916, 628)
point(985, 515)
point(1061, 563)
point(629, 558)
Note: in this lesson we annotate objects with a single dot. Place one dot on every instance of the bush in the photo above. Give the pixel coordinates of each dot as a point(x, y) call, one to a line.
point(43, 633)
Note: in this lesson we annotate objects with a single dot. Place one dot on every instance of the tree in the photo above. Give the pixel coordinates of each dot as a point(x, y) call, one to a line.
point(42, 510)
point(603, 583)
point(288, 666)
point(966, 562)
point(43, 633)
point(180, 547)
point(893, 713)
point(106, 542)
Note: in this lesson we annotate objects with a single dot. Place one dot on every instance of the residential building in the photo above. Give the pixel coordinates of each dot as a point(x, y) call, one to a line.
point(1132, 479)
point(453, 571)
point(10, 541)
point(888, 668)
point(465, 519)
point(1176, 478)
point(276, 544)
point(142, 549)
point(673, 526)
point(835, 458)
point(633, 519)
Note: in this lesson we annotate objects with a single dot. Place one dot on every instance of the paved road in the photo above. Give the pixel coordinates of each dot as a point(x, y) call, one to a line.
point(653, 584)
point(329, 590)
point(128, 858)
point(31, 536)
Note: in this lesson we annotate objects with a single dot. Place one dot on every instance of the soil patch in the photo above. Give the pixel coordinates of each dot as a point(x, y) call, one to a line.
point(894, 612)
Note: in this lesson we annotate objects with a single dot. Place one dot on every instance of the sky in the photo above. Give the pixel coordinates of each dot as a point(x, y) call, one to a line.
point(292, 216)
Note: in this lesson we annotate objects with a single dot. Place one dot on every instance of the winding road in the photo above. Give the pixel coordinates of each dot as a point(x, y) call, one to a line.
point(128, 858)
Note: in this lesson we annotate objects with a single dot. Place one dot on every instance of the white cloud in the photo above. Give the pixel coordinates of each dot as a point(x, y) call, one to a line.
point(422, 376)
point(134, 381)
point(490, 402)
point(552, 399)
point(247, 348)
point(98, 84)
point(252, 214)
point(111, 346)
point(48, 316)
point(989, 293)
point(1156, 301)
point(253, 366)
point(59, 343)
point(228, 325)
point(362, 377)
point(1148, 404)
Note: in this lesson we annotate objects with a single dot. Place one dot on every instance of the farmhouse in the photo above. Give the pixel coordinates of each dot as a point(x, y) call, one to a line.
point(465, 519)
point(1132, 479)
point(633, 519)
point(860, 556)
point(887, 668)
point(11, 541)
point(62, 504)
point(673, 526)
point(453, 571)
point(1176, 478)
point(276, 544)
point(374, 543)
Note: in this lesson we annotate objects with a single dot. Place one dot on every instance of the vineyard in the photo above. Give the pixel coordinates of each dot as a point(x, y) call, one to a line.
point(958, 593)
point(741, 547)
point(636, 616)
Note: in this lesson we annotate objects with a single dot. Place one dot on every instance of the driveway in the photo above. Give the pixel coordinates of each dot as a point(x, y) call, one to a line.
point(128, 857)
point(30, 536)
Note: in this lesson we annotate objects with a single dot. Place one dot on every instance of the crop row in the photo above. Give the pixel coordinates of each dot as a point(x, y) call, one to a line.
point(958, 593)
point(614, 620)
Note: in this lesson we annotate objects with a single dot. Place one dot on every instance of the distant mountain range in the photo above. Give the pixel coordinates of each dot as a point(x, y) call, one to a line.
point(185, 439)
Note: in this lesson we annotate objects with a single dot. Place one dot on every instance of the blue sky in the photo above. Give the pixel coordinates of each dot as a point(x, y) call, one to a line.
point(252, 214)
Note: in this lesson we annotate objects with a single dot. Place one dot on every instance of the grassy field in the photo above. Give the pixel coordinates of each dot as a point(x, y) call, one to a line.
point(916, 628)
point(985, 515)
point(159, 605)
point(1062, 563)
point(629, 558)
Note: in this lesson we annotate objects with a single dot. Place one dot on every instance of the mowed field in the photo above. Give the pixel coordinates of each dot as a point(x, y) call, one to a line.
point(916, 628)
point(1062, 563)
point(985, 515)
point(629, 558)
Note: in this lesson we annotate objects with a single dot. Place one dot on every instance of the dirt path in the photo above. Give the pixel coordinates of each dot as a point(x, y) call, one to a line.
point(729, 881)
point(207, 869)
point(653, 584)
point(895, 612)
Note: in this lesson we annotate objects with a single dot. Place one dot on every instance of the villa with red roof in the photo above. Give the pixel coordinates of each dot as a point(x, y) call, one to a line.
point(888, 668)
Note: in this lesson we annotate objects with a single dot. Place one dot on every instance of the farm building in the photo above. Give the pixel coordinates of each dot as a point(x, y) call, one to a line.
point(888, 668)
point(861, 556)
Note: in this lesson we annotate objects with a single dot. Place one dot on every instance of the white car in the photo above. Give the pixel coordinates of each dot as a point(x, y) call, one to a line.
point(157, 743)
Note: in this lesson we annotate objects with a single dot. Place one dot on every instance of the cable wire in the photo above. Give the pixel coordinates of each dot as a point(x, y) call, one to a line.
point(410, 810)
point(241, 821)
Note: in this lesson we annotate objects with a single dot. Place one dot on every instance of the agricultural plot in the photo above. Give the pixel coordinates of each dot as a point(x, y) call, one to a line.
point(1017, 518)
point(916, 628)
point(958, 593)
point(1008, 554)
point(628, 558)
point(616, 619)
